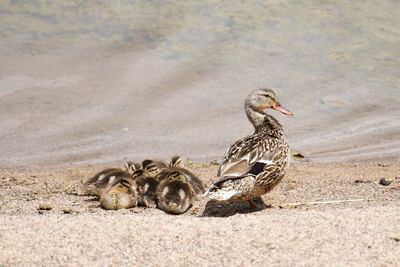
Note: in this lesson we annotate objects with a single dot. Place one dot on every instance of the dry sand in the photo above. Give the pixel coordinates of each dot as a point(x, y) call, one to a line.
point(76, 232)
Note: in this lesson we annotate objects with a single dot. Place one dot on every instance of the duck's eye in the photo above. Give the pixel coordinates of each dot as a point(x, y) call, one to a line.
point(266, 95)
point(174, 174)
point(124, 184)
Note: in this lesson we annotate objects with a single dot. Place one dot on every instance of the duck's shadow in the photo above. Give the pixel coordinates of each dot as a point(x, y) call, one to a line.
point(220, 209)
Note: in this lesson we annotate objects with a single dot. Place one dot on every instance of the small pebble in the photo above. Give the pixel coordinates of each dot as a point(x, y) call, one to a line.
point(297, 155)
point(386, 181)
point(396, 238)
point(382, 165)
point(44, 206)
point(361, 181)
point(68, 211)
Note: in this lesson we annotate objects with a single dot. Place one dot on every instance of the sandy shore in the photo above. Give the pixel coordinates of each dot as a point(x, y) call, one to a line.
point(77, 232)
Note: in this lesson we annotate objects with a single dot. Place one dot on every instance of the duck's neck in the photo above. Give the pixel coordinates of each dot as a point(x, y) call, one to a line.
point(263, 121)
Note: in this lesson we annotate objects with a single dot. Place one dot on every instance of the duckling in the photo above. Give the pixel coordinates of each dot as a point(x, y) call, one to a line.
point(176, 161)
point(177, 165)
point(147, 182)
point(120, 194)
point(131, 167)
point(146, 188)
point(174, 194)
point(95, 185)
point(151, 167)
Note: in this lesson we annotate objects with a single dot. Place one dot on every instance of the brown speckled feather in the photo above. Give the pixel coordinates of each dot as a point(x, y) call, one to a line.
point(243, 155)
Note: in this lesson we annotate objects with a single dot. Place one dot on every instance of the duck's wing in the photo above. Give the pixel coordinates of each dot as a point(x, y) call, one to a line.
point(247, 156)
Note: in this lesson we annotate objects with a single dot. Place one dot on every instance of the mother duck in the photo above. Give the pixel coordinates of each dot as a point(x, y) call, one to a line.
point(255, 164)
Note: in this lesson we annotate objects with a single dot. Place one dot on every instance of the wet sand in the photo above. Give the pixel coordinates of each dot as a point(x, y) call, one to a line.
point(104, 81)
point(287, 229)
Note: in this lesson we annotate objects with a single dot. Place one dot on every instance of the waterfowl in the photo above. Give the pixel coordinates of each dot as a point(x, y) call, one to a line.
point(174, 194)
point(120, 194)
point(255, 164)
point(95, 185)
point(177, 165)
point(176, 161)
point(152, 167)
point(146, 188)
point(147, 182)
point(132, 167)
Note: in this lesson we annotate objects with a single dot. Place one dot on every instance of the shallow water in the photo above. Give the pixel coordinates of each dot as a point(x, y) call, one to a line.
point(98, 82)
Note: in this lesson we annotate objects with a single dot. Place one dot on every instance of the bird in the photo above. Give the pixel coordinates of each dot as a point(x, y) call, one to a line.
point(153, 167)
point(132, 167)
point(177, 165)
point(120, 194)
point(174, 193)
point(95, 185)
point(255, 164)
point(147, 182)
point(176, 161)
point(178, 188)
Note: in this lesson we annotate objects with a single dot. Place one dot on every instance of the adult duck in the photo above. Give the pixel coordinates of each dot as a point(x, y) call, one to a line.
point(255, 164)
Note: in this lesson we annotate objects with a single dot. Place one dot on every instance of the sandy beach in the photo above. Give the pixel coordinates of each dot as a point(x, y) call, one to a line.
point(354, 224)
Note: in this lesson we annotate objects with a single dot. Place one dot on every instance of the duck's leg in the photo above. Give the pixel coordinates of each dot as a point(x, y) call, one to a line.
point(252, 204)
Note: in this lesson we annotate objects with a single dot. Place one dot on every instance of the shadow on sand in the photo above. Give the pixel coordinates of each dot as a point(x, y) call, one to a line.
point(220, 209)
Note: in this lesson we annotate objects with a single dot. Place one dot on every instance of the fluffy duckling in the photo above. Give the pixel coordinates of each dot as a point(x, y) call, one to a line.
point(146, 188)
point(95, 185)
point(147, 182)
point(152, 168)
point(176, 161)
point(177, 164)
point(175, 194)
point(131, 167)
point(120, 194)
point(178, 188)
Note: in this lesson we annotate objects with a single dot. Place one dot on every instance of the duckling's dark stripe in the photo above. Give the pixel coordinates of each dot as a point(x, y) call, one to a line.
point(125, 183)
point(152, 169)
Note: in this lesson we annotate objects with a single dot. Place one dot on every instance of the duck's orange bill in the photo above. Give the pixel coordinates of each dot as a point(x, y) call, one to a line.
point(278, 107)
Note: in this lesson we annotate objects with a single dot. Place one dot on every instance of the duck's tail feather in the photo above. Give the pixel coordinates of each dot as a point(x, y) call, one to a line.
point(216, 193)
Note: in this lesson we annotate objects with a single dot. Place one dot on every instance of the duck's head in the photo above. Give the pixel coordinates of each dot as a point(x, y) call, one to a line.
point(176, 161)
point(122, 186)
point(137, 174)
point(261, 99)
point(131, 167)
point(176, 176)
point(150, 167)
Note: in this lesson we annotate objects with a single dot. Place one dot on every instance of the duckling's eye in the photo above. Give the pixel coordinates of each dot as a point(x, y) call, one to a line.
point(174, 174)
point(123, 183)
